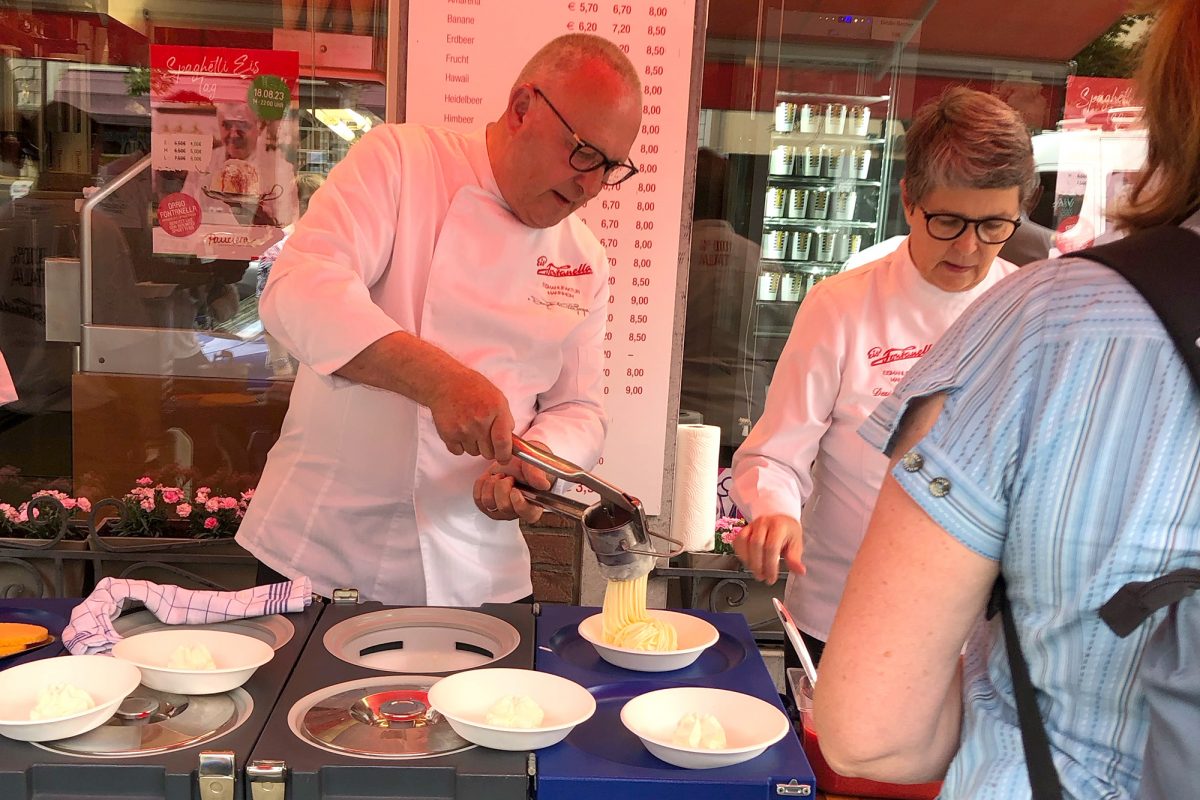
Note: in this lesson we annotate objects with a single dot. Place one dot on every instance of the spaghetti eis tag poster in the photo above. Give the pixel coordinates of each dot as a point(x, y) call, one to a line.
point(225, 134)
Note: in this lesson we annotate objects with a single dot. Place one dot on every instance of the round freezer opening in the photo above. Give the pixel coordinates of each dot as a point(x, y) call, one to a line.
point(421, 640)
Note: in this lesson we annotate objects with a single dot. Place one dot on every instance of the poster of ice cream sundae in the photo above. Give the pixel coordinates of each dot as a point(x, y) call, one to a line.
point(225, 134)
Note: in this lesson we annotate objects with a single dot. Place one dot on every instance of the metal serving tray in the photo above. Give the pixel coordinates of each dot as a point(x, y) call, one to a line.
point(283, 762)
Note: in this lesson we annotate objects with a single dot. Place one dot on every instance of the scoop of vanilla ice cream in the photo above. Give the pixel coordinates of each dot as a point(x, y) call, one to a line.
point(61, 700)
point(191, 656)
point(515, 711)
point(699, 731)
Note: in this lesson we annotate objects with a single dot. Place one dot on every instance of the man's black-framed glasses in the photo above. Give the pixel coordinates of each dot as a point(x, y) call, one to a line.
point(586, 157)
point(989, 230)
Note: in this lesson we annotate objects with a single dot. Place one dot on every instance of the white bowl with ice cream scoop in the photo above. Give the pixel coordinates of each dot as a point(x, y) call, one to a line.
point(749, 725)
point(178, 661)
point(694, 636)
point(106, 681)
point(466, 698)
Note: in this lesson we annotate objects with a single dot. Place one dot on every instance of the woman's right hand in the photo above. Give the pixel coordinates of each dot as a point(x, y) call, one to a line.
point(767, 539)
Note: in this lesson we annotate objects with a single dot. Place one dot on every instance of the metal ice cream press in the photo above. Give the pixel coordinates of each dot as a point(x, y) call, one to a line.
point(615, 526)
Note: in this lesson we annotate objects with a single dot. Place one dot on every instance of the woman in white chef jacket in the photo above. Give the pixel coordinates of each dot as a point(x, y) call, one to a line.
point(440, 295)
point(804, 478)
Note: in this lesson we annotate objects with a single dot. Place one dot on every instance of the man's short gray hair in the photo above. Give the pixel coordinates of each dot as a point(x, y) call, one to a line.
point(570, 52)
point(971, 140)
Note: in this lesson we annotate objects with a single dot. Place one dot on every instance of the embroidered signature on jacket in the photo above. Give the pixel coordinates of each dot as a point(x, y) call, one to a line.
point(880, 356)
point(575, 307)
point(549, 268)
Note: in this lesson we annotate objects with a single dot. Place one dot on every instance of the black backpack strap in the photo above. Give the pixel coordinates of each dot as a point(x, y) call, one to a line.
point(1163, 264)
point(1043, 778)
point(1136, 601)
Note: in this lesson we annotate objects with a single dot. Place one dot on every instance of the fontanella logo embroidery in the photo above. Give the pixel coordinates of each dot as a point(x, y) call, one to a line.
point(880, 355)
point(550, 269)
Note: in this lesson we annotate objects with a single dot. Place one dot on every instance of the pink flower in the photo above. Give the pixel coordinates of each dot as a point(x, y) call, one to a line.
point(172, 496)
point(9, 512)
point(147, 504)
point(248, 495)
point(227, 502)
point(144, 481)
point(211, 523)
point(68, 503)
point(183, 510)
point(85, 505)
point(211, 505)
point(202, 494)
point(729, 536)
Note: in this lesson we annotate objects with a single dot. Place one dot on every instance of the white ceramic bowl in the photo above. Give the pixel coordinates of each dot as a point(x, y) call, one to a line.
point(107, 680)
point(695, 635)
point(236, 656)
point(751, 725)
point(465, 697)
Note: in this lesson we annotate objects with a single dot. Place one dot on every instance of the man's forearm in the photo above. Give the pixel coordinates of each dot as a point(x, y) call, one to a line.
point(403, 363)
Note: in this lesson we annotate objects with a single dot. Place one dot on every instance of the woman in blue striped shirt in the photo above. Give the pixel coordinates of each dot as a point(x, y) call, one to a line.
point(1053, 435)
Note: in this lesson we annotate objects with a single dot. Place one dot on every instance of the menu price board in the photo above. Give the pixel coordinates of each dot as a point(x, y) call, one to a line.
point(462, 58)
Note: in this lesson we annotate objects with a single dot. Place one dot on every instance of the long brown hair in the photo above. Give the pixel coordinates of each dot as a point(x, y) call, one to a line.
point(1168, 188)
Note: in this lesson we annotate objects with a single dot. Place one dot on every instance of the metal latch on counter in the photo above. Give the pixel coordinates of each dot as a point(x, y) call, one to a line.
point(216, 776)
point(266, 780)
point(345, 597)
point(793, 788)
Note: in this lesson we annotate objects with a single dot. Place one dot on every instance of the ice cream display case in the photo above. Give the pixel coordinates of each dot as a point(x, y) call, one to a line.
point(343, 710)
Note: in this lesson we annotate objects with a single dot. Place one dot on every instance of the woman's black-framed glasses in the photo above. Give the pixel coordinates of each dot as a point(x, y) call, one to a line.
point(989, 230)
point(586, 157)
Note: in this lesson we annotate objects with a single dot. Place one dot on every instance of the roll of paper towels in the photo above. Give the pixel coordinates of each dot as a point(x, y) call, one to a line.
point(694, 512)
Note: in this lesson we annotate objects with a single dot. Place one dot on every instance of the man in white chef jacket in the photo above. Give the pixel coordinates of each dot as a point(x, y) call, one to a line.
point(440, 295)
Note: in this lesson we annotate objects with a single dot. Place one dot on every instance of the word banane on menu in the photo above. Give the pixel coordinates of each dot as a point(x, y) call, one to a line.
point(463, 56)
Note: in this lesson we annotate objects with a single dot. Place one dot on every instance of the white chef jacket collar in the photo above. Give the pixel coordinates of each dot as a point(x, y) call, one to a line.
point(477, 155)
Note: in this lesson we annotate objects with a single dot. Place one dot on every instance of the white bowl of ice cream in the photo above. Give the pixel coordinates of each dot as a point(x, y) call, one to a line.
point(56, 698)
point(700, 728)
point(511, 709)
point(194, 661)
point(693, 637)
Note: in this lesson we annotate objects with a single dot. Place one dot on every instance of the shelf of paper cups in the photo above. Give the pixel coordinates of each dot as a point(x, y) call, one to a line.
point(868, 100)
point(790, 282)
point(839, 120)
point(810, 205)
point(820, 223)
point(819, 137)
point(820, 268)
point(808, 182)
point(828, 245)
point(821, 163)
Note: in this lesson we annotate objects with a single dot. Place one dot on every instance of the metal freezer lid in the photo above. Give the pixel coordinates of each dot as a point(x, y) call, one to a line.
point(601, 758)
point(27, 771)
point(313, 773)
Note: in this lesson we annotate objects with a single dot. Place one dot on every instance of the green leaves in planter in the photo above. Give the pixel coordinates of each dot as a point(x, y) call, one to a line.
point(156, 511)
point(46, 515)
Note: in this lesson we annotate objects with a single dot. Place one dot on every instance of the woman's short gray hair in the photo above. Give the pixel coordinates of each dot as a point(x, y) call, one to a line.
point(967, 139)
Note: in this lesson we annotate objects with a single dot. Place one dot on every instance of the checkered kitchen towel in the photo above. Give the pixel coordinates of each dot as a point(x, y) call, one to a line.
point(91, 631)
